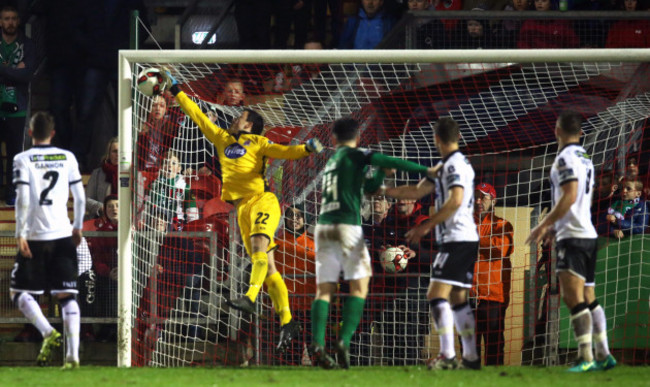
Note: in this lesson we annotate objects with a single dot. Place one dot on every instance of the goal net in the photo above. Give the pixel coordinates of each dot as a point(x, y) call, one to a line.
point(182, 257)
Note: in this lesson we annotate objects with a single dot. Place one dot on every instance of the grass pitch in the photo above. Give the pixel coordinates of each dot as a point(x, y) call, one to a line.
point(90, 376)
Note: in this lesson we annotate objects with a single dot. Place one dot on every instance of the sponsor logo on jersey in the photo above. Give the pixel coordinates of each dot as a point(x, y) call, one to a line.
point(234, 151)
point(37, 158)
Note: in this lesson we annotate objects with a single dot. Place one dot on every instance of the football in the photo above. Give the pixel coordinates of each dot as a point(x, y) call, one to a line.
point(151, 82)
point(393, 260)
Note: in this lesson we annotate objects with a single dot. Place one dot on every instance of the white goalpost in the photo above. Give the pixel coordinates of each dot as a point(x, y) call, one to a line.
point(174, 274)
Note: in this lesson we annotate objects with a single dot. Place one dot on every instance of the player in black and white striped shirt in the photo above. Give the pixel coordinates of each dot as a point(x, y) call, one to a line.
point(453, 269)
point(572, 184)
point(47, 256)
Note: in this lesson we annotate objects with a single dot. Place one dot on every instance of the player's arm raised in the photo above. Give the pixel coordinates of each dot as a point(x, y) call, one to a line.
point(414, 192)
point(291, 152)
point(212, 132)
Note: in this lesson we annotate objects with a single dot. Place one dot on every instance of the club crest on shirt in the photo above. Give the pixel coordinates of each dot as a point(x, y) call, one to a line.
point(234, 151)
point(247, 142)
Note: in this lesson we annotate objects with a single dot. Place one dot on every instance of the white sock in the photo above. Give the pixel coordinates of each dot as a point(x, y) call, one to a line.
point(32, 311)
point(71, 322)
point(465, 325)
point(582, 328)
point(599, 333)
point(444, 322)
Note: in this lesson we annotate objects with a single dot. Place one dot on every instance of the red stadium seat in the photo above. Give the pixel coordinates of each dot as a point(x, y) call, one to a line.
point(216, 206)
point(206, 187)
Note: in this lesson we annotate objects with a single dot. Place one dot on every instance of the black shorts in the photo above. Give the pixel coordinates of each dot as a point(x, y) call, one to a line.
point(578, 256)
point(454, 264)
point(53, 267)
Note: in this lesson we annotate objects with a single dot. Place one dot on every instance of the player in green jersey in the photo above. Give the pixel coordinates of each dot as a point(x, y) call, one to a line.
point(340, 245)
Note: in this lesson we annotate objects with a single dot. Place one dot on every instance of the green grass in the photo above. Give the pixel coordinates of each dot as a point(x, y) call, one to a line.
point(92, 376)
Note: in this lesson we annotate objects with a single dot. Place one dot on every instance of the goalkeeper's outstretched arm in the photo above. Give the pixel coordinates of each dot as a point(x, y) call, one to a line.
point(211, 131)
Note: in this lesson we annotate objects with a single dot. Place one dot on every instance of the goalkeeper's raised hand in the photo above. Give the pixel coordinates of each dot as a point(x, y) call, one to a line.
point(170, 81)
point(314, 145)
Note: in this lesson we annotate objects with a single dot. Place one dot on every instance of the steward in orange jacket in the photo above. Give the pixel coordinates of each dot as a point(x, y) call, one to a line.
point(491, 274)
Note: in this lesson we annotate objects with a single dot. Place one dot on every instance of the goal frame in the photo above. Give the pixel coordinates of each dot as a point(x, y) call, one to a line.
point(128, 58)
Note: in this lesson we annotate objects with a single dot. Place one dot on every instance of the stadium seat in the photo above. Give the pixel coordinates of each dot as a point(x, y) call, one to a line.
point(216, 206)
point(206, 187)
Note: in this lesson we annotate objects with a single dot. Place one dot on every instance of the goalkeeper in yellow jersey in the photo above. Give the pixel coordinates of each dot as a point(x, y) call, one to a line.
point(242, 152)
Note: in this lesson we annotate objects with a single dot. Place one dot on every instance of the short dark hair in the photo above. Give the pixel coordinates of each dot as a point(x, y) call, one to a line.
point(256, 119)
point(109, 198)
point(42, 125)
point(447, 130)
point(346, 129)
point(570, 122)
point(8, 8)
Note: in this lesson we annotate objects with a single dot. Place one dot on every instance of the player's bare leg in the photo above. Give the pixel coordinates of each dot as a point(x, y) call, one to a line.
point(573, 296)
point(443, 319)
point(604, 359)
point(319, 314)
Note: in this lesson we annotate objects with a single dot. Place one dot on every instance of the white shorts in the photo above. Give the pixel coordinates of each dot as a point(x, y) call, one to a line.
point(341, 247)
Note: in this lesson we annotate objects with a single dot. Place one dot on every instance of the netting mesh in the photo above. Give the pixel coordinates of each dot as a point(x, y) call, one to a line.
point(188, 257)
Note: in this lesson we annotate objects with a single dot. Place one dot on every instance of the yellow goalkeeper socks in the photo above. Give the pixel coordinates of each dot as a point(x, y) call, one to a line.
point(279, 296)
point(258, 273)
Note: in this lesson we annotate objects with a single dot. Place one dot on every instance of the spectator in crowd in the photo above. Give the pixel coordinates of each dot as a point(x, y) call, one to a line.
point(170, 197)
point(602, 200)
point(474, 33)
point(507, 33)
point(487, 5)
point(378, 211)
point(103, 181)
point(630, 33)
point(156, 136)
point(295, 258)
point(335, 19)
point(287, 12)
point(253, 18)
point(18, 55)
point(632, 173)
point(630, 215)
point(365, 30)
point(547, 33)
point(82, 42)
point(492, 274)
point(430, 34)
point(233, 94)
point(104, 254)
point(401, 342)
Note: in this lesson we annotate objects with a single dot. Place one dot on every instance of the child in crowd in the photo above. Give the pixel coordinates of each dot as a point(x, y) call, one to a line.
point(170, 197)
point(629, 215)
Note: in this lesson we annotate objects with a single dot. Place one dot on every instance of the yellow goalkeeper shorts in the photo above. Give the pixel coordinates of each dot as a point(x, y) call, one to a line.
point(258, 214)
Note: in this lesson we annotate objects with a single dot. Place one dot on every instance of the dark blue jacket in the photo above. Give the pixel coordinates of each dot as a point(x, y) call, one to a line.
point(362, 33)
point(634, 221)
